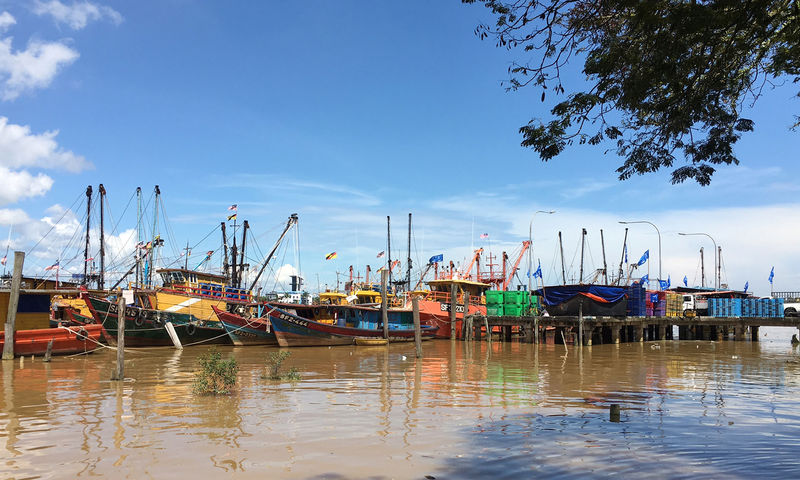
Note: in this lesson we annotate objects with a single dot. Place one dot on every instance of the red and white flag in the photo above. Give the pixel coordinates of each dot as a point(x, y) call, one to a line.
point(234, 207)
point(484, 235)
point(381, 254)
point(3, 261)
point(53, 266)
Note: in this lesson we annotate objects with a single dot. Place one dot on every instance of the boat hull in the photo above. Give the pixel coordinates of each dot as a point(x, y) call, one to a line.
point(294, 331)
point(146, 328)
point(435, 313)
point(246, 331)
point(66, 340)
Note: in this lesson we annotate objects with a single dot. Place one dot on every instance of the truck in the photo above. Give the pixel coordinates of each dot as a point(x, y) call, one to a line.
point(695, 304)
point(791, 303)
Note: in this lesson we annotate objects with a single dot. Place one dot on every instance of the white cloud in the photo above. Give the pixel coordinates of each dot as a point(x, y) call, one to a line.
point(34, 67)
point(19, 148)
point(19, 185)
point(6, 20)
point(78, 14)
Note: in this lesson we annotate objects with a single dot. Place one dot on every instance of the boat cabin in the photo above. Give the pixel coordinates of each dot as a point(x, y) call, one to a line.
point(332, 298)
point(200, 283)
point(440, 289)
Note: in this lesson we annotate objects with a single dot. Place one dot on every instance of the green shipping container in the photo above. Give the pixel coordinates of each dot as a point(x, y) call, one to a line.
point(513, 310)
point(516, 297)
point(494, 297)
point(495, 310)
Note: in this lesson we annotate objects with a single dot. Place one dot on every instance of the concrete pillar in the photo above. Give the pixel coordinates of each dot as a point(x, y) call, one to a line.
point(615, 335)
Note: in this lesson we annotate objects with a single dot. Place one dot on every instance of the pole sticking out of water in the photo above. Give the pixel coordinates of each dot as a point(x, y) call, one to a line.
point(580, 323)
point(13, 302)
point(119, 372)
point(384, 303)
point(453, 304)
point(49, 351)
point(613, 412)
point(417, 328)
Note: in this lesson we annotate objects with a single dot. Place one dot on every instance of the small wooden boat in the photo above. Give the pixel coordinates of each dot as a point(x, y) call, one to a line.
point(66, 340)
point(295, 331)
point(371, 342)
point(246, 331)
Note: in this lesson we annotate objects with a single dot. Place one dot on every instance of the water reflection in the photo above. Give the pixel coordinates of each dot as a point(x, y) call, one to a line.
point(464, 409)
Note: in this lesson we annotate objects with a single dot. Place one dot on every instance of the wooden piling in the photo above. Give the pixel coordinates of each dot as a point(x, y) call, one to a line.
point(49, 351)
point(615, 335)
point(580, 323)
point(536, 330)
point(417, 329)
point(613, 413)
point(453, 303)
point(13, 303)
point(754, 333)
point(464, 315)
point(384, 303)
point(119, 373)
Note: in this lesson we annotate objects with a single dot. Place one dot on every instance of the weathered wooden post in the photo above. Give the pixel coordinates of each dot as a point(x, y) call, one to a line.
point(384, 303)
point(615, 334)
point(613, 412)
point(660, 332)
point(119, 373)
point(453, 303)
point(49, 351)
point(464, 315)
point(580, 323)
point(754, 333)
point(13, 302)
point(417, 328)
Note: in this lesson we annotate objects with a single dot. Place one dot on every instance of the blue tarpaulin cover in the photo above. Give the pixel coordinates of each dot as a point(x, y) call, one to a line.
point(559, 294)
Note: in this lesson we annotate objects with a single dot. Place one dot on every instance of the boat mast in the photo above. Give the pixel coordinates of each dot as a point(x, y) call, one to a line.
point(719, 268)
point(622, 256)
point(239, 277)
point(292, 221)
point(156, 238)
point(603, 246)
point(186, 257)
point(101, 281)
point(137, 254)
point(561, 247)
point(88, 222)
point(224, 253)
point(389, 246)
point(583, 242)
point(234, 252)
point(408, 259)
point(702, 269)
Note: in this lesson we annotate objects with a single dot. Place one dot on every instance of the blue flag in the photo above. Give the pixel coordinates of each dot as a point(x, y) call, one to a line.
point(538, 272)
point(771, 274)
point(663, 284)
point(646, 279)
point(685, 281)
point(626, 254)
point(669, 281)
point(436, 258)
point(644, 258)
point(746, 285)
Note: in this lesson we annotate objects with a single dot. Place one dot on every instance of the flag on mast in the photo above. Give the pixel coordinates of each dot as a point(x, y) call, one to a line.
point(484, 235)
point(53, 266)
point(330, 256)
point(382, 253)
point(234, 207)
point(232, 217)
point(771, 274)
point(3, 261)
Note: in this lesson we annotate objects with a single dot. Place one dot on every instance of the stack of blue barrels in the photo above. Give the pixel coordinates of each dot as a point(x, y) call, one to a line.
point(637, 300)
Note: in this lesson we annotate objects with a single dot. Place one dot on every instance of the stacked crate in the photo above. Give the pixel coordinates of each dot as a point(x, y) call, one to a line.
point(535, 305)
point(674, 304)
point(762, 307)
point(725, 307)
point(494, 303)
point(637, 303)
point(656, 303)
point(516, 302)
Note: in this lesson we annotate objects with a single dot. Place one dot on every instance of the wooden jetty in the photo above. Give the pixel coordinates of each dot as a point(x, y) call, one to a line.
point(591, 330)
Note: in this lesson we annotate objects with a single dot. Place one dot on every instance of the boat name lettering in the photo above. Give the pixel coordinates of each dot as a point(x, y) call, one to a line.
point(445, 307)
point(290, 319)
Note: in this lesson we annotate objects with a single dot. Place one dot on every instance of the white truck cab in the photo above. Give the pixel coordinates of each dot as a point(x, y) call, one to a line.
point(791, 303)
point(694, 305)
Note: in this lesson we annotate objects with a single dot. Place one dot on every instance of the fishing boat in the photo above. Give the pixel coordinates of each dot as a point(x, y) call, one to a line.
point(246, 331)
point(147, 328)
point(66, 340)
point(295, 331)
point(435, 305)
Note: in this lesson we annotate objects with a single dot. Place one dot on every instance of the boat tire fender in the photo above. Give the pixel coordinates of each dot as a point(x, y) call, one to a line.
point(82, 335)
point(190, 329)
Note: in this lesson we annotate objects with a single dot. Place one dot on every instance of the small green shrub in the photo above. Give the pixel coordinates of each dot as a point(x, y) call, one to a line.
point(217, 376)
point(273, 370)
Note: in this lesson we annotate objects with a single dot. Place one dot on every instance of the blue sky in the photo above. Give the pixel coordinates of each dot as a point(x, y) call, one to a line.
point(344, 115)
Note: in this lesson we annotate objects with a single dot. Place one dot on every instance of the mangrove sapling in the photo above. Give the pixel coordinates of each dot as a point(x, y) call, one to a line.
point(273, 369)
point(217, 376)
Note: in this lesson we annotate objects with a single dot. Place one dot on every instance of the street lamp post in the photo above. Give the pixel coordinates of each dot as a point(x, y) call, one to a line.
point(659, 244)
point(716, 274)
point(530, 242)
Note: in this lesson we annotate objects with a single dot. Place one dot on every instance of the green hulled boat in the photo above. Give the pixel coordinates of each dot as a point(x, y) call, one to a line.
point(146, 328)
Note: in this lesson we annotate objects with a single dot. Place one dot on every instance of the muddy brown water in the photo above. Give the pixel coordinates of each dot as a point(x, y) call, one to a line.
point(477, 410)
